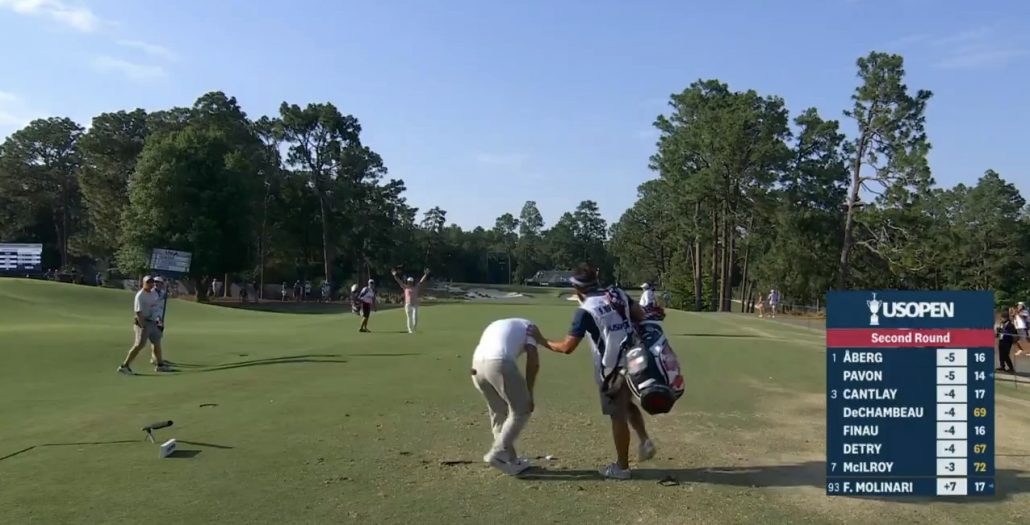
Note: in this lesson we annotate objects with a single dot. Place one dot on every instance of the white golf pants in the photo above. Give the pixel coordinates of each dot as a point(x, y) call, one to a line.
point(507, 399)
point(411, 310)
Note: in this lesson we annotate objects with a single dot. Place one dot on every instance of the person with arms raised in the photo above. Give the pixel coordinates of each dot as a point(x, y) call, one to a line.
point(411, 297)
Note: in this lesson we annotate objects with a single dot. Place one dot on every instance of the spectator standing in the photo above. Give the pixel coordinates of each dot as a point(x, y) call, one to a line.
point(647, 299)
point(1021, 320)
point(1006, 336)
point(367, 296)
point(774, 302)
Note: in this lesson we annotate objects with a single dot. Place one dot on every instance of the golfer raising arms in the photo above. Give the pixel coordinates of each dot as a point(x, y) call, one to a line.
point(411, 293)
point(608, 317)
point(509, 396)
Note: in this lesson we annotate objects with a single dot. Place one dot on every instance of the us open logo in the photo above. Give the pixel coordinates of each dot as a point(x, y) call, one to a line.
point(908, 309)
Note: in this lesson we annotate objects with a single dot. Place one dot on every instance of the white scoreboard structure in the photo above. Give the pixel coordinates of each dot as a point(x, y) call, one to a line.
point(21, 259)
point(172, 262)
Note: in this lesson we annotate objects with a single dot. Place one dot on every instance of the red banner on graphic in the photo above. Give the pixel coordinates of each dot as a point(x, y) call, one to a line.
point(873, 338)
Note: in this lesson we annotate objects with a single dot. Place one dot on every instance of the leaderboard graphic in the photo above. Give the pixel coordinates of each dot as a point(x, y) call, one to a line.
point(21, 258)
point(910, 393)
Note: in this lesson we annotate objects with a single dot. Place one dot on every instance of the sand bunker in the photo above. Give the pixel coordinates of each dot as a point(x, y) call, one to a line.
point(477, 294)
point(490, 293)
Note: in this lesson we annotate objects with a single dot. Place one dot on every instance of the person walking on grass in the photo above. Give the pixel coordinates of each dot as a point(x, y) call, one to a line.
point(1007, 335)
point(608, 317)
point(144, 326)
point(412, 290)
point(509, 395)
point(367, 297)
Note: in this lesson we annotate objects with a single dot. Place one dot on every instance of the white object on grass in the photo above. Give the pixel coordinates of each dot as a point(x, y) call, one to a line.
point(167, 448)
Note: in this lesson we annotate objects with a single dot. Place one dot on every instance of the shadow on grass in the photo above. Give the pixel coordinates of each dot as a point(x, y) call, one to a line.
point(202, 444)
point(26, 449)
point(117, 442)
point(290, 359)
point(382, 355)
point(810, 474)
point(728, 336)
point(278, 361)
point(183, 454)
point(302, 308)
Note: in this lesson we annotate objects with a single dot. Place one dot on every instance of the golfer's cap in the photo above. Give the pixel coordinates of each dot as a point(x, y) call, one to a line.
point(159, 279)
point(410, 279)
point(148, 278)
point(645, 285)
point(1021, 303)
point(371, 281)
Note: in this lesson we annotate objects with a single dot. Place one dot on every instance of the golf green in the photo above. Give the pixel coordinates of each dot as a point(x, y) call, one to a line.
point(298, 418)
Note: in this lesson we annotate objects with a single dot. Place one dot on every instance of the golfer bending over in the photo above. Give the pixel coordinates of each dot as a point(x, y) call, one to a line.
point(608, 317)
point(509, 397)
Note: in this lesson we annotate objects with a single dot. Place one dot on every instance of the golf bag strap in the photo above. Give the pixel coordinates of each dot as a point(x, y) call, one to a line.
point(607, 380)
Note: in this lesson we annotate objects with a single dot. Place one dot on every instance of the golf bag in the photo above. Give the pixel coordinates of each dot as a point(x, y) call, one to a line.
point(652, 370)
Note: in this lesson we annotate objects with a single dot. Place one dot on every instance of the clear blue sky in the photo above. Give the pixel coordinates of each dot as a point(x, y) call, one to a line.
point(549, 101)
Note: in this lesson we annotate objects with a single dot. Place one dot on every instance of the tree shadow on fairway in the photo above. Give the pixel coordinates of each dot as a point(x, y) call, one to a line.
point(202, 444)
point(808, 474)
point(188, 453)
point(383, 355)
point(290, 359)
point(727, 336)
point(41, 445)
point(285, 361)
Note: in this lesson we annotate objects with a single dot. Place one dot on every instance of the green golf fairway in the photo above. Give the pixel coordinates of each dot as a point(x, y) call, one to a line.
point(298, 418)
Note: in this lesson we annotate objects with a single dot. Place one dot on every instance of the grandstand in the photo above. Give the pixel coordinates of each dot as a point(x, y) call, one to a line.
point(550, 278)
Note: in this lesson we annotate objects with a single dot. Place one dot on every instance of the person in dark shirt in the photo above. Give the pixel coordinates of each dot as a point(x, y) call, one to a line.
point(1007, 335)
point(604, 333)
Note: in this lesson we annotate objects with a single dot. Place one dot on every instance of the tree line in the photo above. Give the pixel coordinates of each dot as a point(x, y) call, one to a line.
point(292, 196)
point(745, 198)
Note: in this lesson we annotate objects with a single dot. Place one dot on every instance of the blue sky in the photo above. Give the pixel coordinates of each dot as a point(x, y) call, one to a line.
point(548, 101)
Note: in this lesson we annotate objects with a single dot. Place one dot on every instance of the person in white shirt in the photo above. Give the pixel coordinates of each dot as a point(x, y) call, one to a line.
point(144, 324)
point(411, 300)
point(509, 396)
point(1022, 321)
point(647, 299)
point(367, 297)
